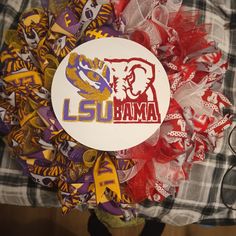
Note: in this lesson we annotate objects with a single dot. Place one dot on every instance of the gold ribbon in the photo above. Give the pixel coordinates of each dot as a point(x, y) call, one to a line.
point(23, 78)
point(105, 176)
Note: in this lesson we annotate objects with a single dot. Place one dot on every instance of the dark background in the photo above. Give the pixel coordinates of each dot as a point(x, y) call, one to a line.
point(27, 221)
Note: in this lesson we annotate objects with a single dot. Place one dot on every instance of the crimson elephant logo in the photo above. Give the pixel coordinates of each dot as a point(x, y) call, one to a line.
point(134, 93)
point(114, 90)
point(132, 78)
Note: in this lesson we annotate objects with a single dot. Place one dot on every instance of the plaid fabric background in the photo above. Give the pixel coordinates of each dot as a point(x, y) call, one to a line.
point(199, 198)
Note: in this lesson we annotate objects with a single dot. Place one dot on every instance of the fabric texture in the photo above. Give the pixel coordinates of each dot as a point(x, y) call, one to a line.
point(198, 199)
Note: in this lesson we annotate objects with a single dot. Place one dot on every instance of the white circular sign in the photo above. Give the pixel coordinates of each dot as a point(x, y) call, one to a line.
point(110, 94)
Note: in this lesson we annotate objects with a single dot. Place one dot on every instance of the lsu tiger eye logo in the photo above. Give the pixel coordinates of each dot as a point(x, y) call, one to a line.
point(110, 94)
point(112, 90)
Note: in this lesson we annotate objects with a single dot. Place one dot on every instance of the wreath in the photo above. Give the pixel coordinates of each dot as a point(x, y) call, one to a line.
point(151, 170)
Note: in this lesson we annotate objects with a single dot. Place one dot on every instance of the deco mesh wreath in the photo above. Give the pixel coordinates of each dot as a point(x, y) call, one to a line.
point(152, 170)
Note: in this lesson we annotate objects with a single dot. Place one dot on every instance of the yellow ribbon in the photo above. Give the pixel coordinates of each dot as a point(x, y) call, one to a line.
point(105, 176)
point(23, 78)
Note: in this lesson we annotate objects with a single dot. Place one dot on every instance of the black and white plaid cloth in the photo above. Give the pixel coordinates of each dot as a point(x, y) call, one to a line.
point(199, 198)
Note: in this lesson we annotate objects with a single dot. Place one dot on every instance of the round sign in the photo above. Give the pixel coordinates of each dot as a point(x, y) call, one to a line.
point(110, 94)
